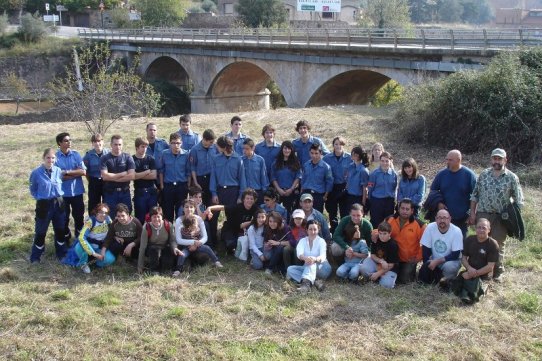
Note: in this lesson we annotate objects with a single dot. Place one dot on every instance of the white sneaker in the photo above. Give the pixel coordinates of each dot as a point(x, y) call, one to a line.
point(218, 264)
point(176, 274)
point(85, 268)
point(268, 271)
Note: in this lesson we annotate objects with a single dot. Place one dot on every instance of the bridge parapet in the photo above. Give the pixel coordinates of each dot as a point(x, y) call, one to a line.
point(416, 40)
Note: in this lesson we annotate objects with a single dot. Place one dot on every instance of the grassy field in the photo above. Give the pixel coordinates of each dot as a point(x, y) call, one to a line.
point(52, 312)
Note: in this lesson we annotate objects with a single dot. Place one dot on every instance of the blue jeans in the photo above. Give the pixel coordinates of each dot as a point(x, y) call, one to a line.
point(144, 200)
point(83, 256)
point(368, 267)
point(114, 198)
point(315, 270)
point(203, 249)
point(349, 270)
point(51, 211)
point(274, 257)
point(255, 261)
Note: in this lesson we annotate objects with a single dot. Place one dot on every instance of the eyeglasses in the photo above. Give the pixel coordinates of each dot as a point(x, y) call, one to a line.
point(175, 143)
point(103, 213)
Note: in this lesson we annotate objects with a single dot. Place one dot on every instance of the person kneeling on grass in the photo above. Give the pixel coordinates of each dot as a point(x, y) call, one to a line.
point(354, 254)
point(157, 243)
point(383, 264)
point(123, 236)
point(312, 251)
point(191, 236)
point(480, 255)
point(86, 248)
point(255, 239)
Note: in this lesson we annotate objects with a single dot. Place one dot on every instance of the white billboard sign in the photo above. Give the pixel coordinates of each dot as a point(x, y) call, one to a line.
point(326, 6)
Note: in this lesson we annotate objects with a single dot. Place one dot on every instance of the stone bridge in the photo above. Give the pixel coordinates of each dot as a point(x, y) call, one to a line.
point(229, 70)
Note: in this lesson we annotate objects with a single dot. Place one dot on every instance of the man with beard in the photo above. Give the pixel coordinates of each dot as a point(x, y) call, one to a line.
point(495, 189)
point(442, 243)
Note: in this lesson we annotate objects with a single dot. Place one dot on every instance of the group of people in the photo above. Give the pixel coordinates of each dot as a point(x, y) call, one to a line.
point(275, 195)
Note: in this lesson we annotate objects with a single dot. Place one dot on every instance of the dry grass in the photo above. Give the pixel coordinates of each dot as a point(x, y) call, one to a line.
point(53, 312)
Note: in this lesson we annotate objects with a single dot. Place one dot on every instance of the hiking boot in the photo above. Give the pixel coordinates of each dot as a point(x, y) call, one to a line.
point(85, 268)
point(320, 285)
point(305, 286)
point(498, 278)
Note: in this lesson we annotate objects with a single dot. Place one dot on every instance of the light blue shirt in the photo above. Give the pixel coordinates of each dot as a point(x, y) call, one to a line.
point(268, 153)
point(256, 172)
point(413, 189)
point(159, 146)
point(189, 139)
point(237, 142)
point(174, 167)
point(382, 184)
point(358, 177)
point(317, 177)
point(284, 176)
point(200, 159)
point(70, 161)
point(227, 171)
point(92, 162)
point(44, 185)
point(303, 149)
point(339, 166)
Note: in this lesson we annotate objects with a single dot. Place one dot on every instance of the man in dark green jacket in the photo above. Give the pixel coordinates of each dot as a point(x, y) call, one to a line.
point(350, 227)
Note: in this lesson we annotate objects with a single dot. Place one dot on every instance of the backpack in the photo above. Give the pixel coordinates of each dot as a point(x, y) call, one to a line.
point(167, 226)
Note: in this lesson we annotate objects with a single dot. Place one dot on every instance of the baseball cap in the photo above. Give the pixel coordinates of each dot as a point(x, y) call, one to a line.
point(298, 213)
point(306, 196)
point(498, 152)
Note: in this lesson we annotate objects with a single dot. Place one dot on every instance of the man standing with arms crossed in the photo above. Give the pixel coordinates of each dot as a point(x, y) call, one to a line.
point(118, 169)
point(495, 189)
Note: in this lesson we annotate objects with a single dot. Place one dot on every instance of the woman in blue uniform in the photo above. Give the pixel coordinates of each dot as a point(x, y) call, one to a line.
point(286, 175)
point(46, 189)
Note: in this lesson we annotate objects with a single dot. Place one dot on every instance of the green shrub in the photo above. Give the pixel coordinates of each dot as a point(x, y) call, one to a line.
point(477, 111)
point(209, 6)
point(121, 18)
point(32, 29)
point(390, 93)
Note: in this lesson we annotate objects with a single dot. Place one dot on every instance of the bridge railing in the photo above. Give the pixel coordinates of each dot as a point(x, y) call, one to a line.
point(349, 38)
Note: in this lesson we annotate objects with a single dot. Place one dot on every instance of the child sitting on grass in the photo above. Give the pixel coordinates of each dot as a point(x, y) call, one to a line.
point(383, 264)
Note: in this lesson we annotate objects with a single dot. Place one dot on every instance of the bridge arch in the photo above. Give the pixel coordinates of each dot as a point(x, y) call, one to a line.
point(167, 69)
point(349, 87)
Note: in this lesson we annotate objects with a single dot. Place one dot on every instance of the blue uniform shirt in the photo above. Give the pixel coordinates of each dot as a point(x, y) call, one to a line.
point(278, 208)
point(413, 189)
point(317, 177)
point(189, 139)
point(303, 149)
point(237, 143)
point(227, 171)
point(174, 167)
point(268, 153)
point(339, 166)
point(255, 172)
point(284, 176)
point(70, 161)
point(157, 148)
point(92, 162)
point(382, 184)
point(200, 159)
point(45, 185)
point(358, 176)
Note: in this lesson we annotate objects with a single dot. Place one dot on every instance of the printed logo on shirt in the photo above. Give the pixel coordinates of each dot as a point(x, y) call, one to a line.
point(440, 246)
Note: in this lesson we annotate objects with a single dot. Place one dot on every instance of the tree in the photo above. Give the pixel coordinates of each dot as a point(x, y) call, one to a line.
point(109, 91)
point(32, 29)
point(422, 11)
point(449, 11)
point(121, 18)
point(262, 13)
point(386, 14)
point(209, 6)
point(16, 88)
point(476, 11)
point(162, 12)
